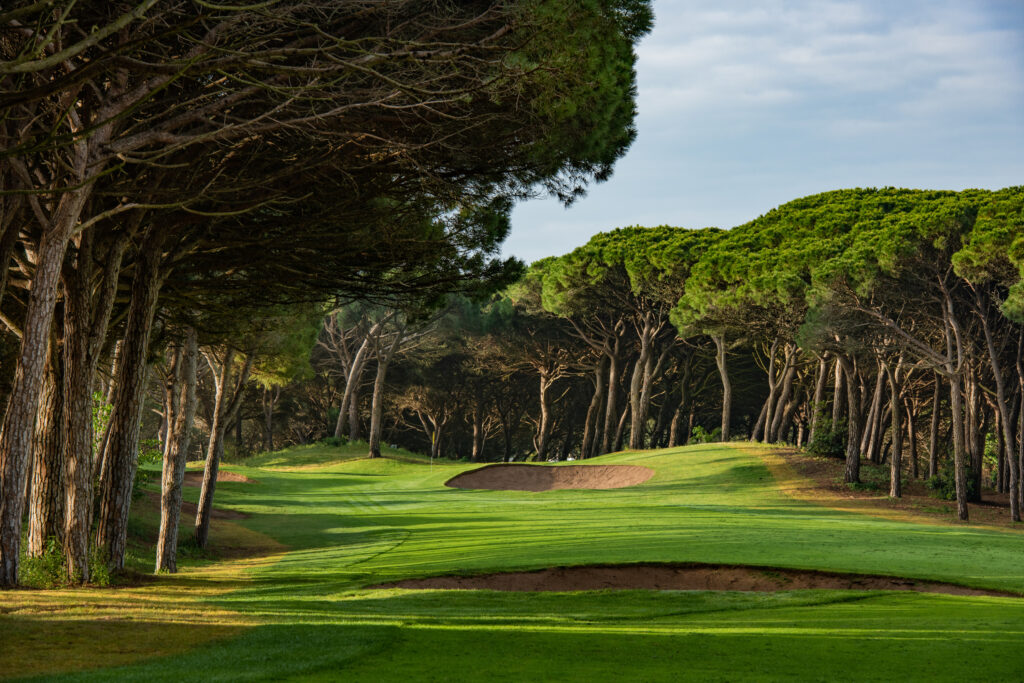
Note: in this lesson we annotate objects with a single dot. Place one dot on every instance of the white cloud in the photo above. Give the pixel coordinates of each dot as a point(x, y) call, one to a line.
point(745, 104)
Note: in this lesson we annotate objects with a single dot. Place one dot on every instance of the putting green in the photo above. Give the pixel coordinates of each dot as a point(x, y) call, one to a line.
point(304, 614)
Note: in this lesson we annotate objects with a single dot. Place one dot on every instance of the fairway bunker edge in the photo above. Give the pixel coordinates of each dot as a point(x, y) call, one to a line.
point(688, 576)
point(520, 477)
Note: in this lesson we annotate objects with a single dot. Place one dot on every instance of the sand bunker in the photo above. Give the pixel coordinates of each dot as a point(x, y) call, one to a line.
point(700, 577)
point(196, 478)
point(546, 478)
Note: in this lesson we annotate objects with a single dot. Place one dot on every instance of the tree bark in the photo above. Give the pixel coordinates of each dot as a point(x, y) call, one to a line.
point(851, 474)
point(18, 426)
point(46, 503)
point(819, 397)
point(225, 407)
point(933, 431)
point(591, 427)
point(377, 406)
point(896, 461)
point(1006, 420)
point(723, 373)
point(608, 437)
point(123, 436)
point(176, 454)
point(86, 321)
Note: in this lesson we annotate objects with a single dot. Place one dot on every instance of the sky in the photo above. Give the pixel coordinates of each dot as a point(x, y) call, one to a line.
point(747, 104)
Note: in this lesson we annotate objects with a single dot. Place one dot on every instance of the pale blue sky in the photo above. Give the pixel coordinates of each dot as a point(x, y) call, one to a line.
point(747, 104)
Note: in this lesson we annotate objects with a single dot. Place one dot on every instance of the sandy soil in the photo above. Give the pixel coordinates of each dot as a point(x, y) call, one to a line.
point(196, 478)
point(504, 477)
point(681, 577)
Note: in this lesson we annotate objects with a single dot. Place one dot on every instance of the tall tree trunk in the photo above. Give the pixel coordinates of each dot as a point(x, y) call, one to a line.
point(896, 461)
point(591, 427)
point(86, 321)
point(176, 455)
point(819, 396)
point(46, 504)
point(377, 406)
point(933, 431)
point(608, 437)
point(763, 425)
point(18, 427)
point(122, 446)
point(912, 439)
point(544, 425)
point(270, 396)
point(1005, 419)
point(851, 474)
point(778, 417)
point(838, 397)
point(874, 422)
point(355, 376)
point(226, 405)
point(723, 373)
point(954, 368)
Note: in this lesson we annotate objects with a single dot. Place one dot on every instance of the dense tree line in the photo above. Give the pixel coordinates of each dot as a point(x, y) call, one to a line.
point(172, 171)
point(883, 325)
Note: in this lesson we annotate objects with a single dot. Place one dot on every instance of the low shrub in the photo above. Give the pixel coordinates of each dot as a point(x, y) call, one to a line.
point(829, 439)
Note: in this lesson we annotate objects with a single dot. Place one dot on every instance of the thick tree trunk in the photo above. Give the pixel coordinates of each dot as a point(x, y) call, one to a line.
point(46, 504)
point(86, 320)
point(176, 454)
point(355, 376)
point(126, 414)
point(19, 419)
point(723, 373)
point(226, 405)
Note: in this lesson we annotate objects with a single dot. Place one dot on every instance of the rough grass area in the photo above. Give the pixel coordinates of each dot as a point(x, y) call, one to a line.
point(350, 523)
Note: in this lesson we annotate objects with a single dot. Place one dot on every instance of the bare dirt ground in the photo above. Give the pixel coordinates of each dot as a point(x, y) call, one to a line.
point(196, 478)
point(504, 477)
point(688, 576)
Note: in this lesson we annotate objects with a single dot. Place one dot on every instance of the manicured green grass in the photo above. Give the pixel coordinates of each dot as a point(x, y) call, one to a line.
point(351, 523)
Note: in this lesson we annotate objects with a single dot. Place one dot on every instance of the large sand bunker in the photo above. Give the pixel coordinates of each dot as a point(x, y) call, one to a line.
point(699, 577)
point(547, 478)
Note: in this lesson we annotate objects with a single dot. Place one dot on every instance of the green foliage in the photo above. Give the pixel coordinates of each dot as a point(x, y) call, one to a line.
point(50, 570)
point(100, 419)
point(829, 439)
point(701, 435)
point(943, 485)
point(333, 441)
